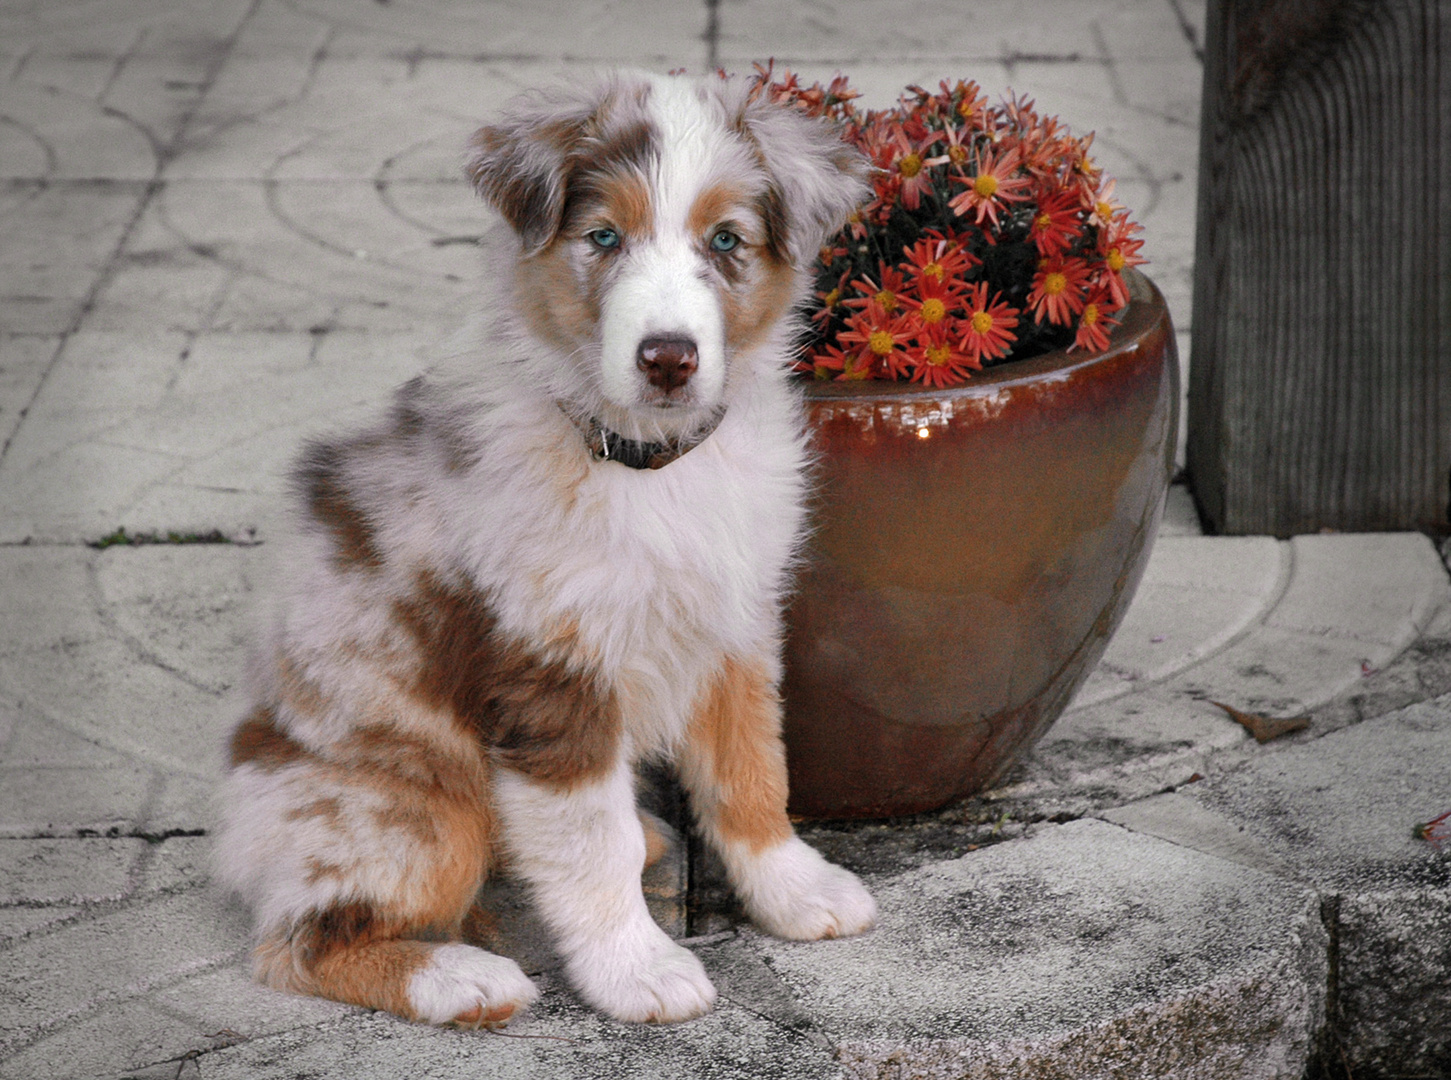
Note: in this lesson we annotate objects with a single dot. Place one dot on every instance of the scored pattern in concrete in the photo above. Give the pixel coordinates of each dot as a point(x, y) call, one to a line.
point(232, 223)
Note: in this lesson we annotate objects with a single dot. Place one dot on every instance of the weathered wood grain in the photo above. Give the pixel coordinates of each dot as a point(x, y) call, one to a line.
point(1320, 393)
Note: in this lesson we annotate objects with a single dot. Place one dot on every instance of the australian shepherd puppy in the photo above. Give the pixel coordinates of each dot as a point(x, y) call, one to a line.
point(561, 553)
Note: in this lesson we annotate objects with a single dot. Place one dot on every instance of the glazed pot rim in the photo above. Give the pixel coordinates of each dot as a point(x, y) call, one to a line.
point(1145, 302)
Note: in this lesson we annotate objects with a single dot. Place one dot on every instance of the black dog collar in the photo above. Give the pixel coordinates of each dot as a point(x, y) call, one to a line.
point(607, 445)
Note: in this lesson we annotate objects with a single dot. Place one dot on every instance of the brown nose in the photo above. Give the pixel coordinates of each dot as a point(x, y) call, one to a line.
point(668, 362)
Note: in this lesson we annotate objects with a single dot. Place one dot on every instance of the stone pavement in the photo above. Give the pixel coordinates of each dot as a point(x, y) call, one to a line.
point(227, 224)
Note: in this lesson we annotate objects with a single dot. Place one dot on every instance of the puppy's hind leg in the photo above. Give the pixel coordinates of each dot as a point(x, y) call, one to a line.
point(351, 952)
point(581, 848)
point(360, 863)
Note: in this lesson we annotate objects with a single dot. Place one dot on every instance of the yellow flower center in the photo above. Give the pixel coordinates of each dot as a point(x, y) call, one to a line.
point(1103, 209)
point(832, 298)
point(910, 165)
point(888, 300)
point(1090, 315)
point(1043, 222)
point(880, 342)
point(1054, 284)
point(982, 322)
point(1115, 260)
point(933, 270)
point(937, 355)
point(986, 185)
point(933, 310)
point(957, 154)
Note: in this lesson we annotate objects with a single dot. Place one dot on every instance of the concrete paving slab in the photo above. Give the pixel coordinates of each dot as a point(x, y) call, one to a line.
point(16, 923)
point(1246, 621)
point(112, 702)
point(40, 801)
point(264, 233)
point(970, 950)
point(1181, 516)
point(653, 31)
point(24, 360)
point(853, 30)
point(61, 236)
point(70, 871)
point(1197, 595)
point(1339, 814)
point(130, 1033)
point(74, 136)
point(55, 978)
point(1374, 587)
point(167, 447)
point(1420, 673)
point(557, 1039)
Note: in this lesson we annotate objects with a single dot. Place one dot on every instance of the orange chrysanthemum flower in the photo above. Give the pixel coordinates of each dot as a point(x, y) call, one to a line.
point(888, 294)
point(988, 326)
point(1058, 290)
point(1094, 323)
point(993, 185)
point(880, 339)
point(939, 259)
point(940, 358)
point(1055, 224)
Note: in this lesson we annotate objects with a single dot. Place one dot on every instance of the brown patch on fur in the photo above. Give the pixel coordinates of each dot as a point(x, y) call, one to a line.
point(733, 761)
point(516, 168)
point(553, 301)
point(601, 180)
point(624, 201)
point(329, 808)
point(530, 167)
point(439, 799)
point(412, 420)
point(542, 717)
point(716, 205)
point(628, 146)
point(325, 492)
point(751, 312)
point(656, 842)
point(771, 205)
point(317, 870)
point(481, 927)
point(258, 741)
point(300, 694)
point(348, 952)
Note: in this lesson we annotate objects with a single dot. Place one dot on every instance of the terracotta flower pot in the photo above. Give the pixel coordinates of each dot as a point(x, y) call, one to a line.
point(974, 549)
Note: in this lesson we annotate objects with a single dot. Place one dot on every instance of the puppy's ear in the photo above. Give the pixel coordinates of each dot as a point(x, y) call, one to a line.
point(519, 164)
point(817, 180)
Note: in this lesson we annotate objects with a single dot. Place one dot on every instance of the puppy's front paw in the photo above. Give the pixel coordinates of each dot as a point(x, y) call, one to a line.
point(469, 987)
point(651, 980)
point(792, 892)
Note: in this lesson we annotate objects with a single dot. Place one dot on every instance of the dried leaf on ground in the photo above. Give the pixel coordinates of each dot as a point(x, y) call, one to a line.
point(1436, 831)
point(1265, 728)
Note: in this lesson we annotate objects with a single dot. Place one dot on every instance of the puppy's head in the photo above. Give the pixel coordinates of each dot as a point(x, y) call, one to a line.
point(663, 226)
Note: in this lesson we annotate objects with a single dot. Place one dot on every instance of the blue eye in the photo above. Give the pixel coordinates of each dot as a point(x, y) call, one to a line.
point(604, 239)
point(724, 241)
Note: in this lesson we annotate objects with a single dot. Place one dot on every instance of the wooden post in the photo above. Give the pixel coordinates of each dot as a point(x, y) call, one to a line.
point(1320, 381)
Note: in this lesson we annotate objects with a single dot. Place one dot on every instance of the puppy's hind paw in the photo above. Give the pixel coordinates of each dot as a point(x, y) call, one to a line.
point(469, 987)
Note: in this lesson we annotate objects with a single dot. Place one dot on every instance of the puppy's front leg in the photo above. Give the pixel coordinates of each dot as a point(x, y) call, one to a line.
point(581, 848)
point(734, 766)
